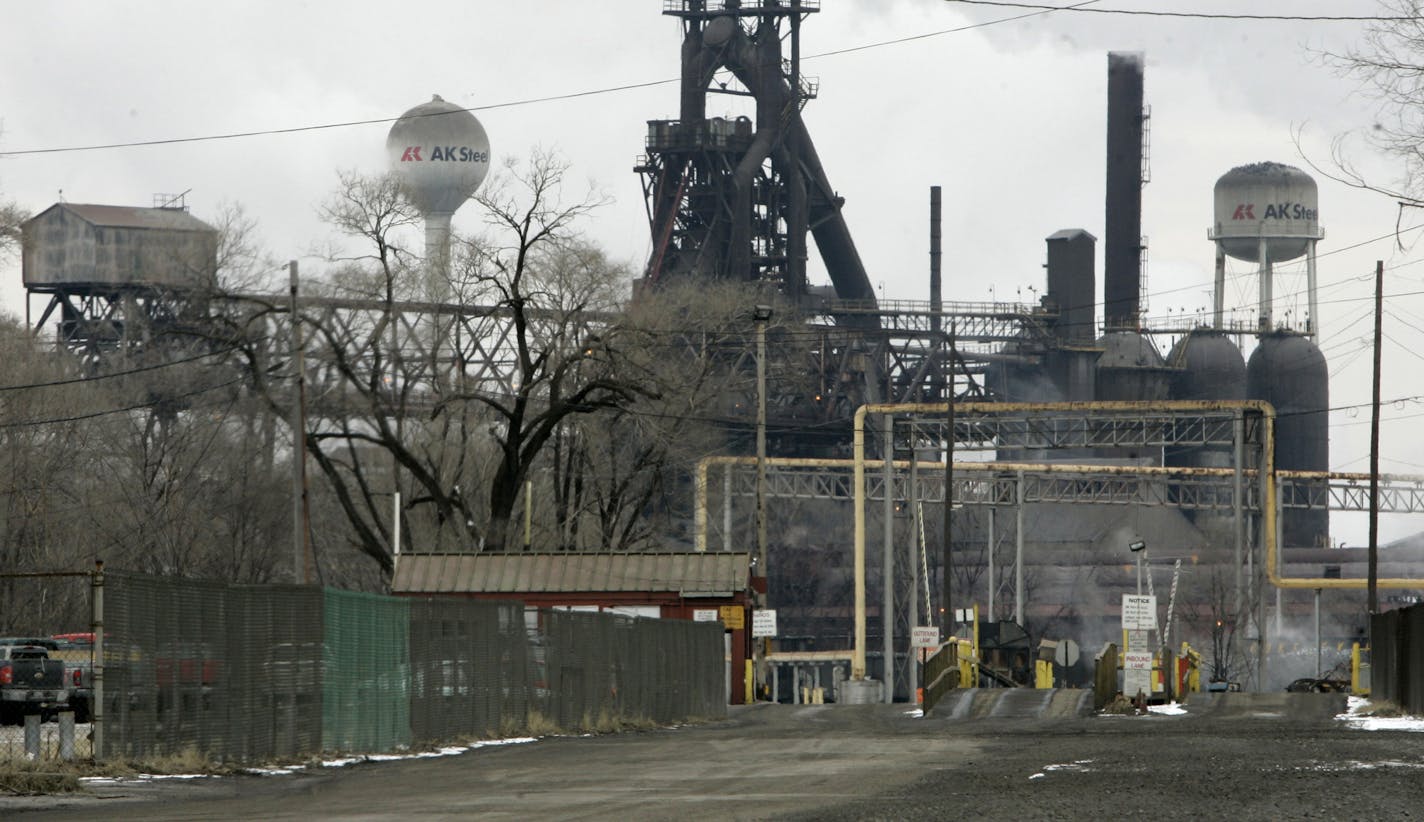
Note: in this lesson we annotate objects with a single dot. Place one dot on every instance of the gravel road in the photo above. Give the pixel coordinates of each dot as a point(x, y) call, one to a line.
point(1252, 757)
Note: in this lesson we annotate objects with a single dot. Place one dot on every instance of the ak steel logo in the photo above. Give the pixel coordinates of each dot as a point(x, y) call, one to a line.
point(1274, 211)
point(444, 154)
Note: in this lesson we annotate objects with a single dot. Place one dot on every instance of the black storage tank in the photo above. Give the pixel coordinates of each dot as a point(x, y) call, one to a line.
point(1288, 371)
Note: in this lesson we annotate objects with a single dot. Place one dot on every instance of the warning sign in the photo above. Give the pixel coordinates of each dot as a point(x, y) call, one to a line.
point(1139, 613)
point(924, 636)
point(1136, 673)
point(733, 616)
point(764, 622)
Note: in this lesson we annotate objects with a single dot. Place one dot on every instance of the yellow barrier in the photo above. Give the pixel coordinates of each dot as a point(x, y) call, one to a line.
point(1357, 662)
point(1042, 674)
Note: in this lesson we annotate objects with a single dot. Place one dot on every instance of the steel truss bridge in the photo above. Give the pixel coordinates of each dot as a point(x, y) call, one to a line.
point(997, 484)
point(918, 350)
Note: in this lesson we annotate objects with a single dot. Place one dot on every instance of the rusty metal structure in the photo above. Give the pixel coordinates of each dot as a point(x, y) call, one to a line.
point(119, 276)
point(735, 198)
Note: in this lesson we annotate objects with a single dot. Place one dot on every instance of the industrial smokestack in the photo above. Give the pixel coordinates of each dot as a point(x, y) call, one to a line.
point(1122, 230)
point(936, 284)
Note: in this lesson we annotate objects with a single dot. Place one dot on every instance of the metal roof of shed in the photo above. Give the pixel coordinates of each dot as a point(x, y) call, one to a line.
point(708, 574)
point(172, 219)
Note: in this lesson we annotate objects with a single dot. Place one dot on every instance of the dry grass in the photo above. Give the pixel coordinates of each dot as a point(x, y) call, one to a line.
point(22, 778)
point(1383, 709)
point(536, 724)
point(1121, 705)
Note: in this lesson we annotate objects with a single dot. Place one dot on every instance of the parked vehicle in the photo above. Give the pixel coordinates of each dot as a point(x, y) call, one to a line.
point(76, 651)
point(30, 683)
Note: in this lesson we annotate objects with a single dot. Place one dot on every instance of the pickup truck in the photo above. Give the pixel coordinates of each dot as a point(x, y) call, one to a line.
point(76, 651)
point(30, 683)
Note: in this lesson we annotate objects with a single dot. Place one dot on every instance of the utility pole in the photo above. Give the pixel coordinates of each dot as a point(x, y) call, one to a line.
point(949, 488)
point(1373, 605)
point(301, 511)
point(761, 314)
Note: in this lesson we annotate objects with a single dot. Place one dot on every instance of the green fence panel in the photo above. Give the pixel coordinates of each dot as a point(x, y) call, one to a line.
point(366, 673)
point(231, 672)
point(470, 663)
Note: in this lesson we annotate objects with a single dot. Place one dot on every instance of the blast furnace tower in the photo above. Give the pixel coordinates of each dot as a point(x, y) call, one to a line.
point(735, 198)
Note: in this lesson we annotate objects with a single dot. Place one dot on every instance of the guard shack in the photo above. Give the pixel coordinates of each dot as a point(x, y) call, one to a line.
point(702, 586)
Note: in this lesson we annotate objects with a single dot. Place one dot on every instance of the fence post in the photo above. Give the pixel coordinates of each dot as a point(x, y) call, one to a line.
point(66, 735)
point(96, 708)
point(32, 736)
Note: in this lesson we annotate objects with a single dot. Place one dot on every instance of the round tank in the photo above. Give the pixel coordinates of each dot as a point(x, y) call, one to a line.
point(1212, 368)
point(441, 153)
point(1129, 369)
point(1290, 373)
point(1270, 201)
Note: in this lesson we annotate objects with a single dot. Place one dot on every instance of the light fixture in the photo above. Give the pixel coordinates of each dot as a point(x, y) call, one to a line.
point(1134, 547)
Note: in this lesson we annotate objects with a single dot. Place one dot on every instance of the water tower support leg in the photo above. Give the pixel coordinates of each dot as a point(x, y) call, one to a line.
point(1218, 299)
point(1312, 326)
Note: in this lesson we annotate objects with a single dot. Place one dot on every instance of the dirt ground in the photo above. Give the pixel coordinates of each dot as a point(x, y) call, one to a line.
point(1255, 757)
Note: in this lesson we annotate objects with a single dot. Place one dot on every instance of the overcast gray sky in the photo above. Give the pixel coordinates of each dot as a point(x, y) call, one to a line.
point(1008, 117)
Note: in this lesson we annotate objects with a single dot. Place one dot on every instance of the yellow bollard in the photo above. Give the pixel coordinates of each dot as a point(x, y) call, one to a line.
point(1043, 674)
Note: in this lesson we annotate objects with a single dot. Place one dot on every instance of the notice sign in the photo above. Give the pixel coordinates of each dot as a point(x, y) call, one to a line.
point(1136, 673)
point(704, 614)
point(1139, 613)
point(764, 622)
point(924, 636)
point(733, 616)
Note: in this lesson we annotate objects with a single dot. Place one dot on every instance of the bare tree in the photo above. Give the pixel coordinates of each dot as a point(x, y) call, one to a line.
point(44, 458)
point(619, 475)
point(1388, 62)
point(461, 442)
point(561, 370)
point(11, 218)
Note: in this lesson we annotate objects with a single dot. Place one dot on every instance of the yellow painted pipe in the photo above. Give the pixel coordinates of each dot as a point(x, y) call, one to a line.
point(1266, 410)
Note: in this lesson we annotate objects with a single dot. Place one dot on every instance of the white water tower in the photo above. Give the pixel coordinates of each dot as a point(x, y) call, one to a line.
point(1266, 213)
point(441, 154)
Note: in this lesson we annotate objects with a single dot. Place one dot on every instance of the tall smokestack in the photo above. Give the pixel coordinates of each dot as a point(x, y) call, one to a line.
point(936, 284)
point(1122, 234)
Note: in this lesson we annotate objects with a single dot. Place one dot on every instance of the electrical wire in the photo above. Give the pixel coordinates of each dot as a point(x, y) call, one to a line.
point(1194, 15)
point(528, 101)
point(114, 374)
point(109, 412)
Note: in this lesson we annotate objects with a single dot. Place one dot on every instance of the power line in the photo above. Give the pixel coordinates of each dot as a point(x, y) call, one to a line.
point(111, 411)
point(1196, 15)
point(114, 374)
point(528, 101)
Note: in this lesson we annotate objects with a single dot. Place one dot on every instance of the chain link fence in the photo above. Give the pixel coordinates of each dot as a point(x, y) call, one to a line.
point(230, 672)
point(603, 669)
point(247, 673)
point(50, 611)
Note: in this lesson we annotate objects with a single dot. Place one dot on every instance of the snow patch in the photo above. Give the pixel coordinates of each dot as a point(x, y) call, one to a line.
point(335, 762)
point(1357, 715)
point(916, 713)
point(1079, 766)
